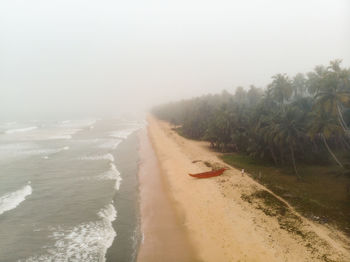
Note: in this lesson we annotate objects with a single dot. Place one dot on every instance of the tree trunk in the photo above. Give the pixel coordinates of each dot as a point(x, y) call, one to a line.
point(345, 143)
point(330, 151)
point(293, 159)
point(282, 157)
point(273, 155)
point(341, 121)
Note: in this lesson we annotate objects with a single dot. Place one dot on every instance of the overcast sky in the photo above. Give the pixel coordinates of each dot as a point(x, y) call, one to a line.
point(97, 56)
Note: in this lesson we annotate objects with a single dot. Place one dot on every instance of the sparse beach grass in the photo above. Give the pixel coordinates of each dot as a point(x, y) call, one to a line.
point(289, 221)
point(322, 195)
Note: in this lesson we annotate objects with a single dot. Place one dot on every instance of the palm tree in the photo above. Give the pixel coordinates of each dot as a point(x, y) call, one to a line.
point(289, 132)
point(281, 88)
point(314, 81)
point(334, 93)
point(299, 85)
point(325, 126)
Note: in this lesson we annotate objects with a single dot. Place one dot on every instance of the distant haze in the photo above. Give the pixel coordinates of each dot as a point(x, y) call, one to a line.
point(96, 57)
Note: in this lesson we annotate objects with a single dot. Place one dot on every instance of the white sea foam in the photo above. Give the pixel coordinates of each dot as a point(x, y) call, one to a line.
point(108, 156)
point(23, 150)
point(12, 200)
point(78, 123)
point(65, 134)
point(86, 242)
point(20, 130)
point(49, 152)
point(55, 151)
point(112, 174)
point(112, 144)
point(124, 133)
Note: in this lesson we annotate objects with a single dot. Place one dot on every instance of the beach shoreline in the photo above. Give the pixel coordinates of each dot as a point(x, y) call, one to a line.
point(163, 233)
point(223, 221)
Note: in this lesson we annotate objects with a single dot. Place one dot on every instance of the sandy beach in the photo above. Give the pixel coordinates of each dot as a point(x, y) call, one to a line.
point(224, 218)
point(164, 235)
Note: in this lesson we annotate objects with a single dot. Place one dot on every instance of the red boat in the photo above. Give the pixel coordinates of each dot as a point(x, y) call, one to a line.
point(209, 174)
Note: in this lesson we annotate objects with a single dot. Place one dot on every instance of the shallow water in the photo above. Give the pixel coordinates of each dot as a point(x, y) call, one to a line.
point(68, 190)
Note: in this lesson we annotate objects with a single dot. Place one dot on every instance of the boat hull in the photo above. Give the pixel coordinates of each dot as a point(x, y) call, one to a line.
point(209, 174)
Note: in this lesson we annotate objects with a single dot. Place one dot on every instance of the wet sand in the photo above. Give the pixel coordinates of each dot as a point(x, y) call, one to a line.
point(164, 236)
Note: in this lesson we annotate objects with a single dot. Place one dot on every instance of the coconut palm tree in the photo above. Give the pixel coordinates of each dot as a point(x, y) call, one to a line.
point(334, 93)
point(281, 88)
point(299, 85)
point(325, 126)
point(289, 132)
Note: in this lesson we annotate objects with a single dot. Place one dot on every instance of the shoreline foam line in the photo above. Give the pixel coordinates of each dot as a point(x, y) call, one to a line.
point(11, 200)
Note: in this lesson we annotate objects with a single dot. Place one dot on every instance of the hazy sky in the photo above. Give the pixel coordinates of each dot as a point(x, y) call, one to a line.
point(96, 56)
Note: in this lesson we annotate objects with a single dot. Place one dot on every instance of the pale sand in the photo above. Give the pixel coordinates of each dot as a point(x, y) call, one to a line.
point(220, 224)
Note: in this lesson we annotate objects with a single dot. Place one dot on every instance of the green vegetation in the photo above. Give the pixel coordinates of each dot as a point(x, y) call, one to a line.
point(322, 195)
point(293, 136)
point(289, 221)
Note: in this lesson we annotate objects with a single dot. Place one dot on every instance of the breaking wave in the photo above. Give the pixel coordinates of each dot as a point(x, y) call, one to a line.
point(66, 134)
point(12, 200)
point(19, 130)
point(20, 150)
point(109, 157)
point(112, 144)
point(112, 174)
point(85, 242)
point(124, 133)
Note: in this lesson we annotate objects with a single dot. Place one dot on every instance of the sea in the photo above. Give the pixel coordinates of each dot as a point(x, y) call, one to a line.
point(69, 190)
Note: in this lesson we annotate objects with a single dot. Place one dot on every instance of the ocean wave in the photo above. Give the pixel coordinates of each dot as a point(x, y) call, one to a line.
point(65, 134)
point(108, 156)
point(85, 242)
point(21, 150)
point(112, 174)
point(12, 200)
point(55, 151)
point(124, 133)
point(87, 123)
point(20, 130)
point(112, 144)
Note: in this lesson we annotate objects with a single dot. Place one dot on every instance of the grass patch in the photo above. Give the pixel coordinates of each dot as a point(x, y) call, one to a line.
point(288, 221)
point(322, 195)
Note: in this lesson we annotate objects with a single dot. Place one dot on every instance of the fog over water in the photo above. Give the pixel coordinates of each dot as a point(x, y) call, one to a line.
point(89, 57)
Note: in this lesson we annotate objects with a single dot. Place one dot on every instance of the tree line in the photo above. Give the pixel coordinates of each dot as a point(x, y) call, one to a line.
point(302, 118)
